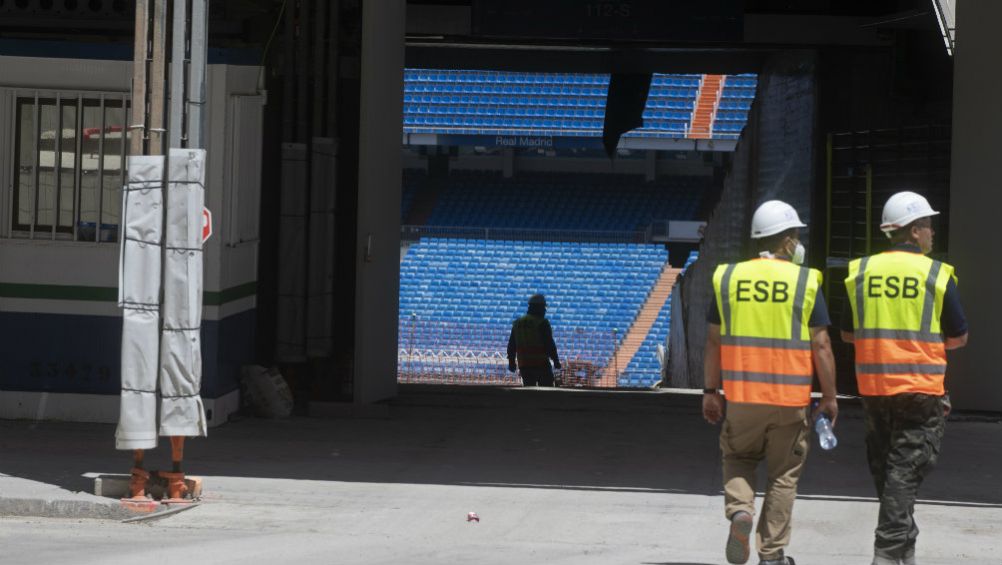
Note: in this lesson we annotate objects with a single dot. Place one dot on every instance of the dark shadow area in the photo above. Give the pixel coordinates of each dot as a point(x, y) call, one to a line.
point(545, 439)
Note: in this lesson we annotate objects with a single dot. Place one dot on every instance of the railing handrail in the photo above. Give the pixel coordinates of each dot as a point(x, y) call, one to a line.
point(640, 235)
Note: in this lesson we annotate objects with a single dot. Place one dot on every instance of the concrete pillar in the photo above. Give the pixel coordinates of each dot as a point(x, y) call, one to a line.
point(975, 203)
point(377, 275)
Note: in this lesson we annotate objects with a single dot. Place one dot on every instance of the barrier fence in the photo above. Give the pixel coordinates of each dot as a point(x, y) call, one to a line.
point(442, 352)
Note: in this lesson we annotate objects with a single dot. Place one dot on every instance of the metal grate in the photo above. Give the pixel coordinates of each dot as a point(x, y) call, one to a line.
point(68, 161)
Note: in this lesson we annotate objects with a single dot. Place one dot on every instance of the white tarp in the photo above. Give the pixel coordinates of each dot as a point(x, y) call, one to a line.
point(139, 296)
point(181, 411)
point(172, 357)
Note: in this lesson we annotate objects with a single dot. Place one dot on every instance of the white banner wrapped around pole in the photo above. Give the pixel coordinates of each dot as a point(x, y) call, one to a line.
point(139, 295)
point(182, 413)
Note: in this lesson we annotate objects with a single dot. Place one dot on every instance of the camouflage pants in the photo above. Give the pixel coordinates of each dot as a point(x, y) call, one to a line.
point(903, 435)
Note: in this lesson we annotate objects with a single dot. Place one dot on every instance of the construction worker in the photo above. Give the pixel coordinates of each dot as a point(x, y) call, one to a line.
point(767, 334)
point(531, 343)
point(905, 315)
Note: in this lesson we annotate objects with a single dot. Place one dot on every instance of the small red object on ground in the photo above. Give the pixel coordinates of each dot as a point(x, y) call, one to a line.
point(472, 517)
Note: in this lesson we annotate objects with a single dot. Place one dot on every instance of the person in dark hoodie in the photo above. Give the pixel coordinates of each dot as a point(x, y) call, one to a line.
point(531, 343)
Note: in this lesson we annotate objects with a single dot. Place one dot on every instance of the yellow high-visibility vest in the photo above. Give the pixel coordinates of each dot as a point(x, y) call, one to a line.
point(897, 301)
point(765, 350)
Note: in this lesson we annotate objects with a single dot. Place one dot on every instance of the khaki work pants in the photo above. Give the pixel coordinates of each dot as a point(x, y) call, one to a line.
point(781, 436)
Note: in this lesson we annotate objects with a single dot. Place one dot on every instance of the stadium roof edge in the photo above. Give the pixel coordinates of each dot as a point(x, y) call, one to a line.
point(548, 142)
point(584, 59)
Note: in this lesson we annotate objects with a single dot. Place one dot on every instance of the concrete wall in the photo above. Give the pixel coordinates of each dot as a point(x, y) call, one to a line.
point(378, 242)
point(60, 327)
point(975, 200)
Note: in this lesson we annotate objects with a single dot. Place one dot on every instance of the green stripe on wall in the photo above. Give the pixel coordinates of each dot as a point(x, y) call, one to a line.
point(227, 295)
point(109, 294)
point(59, 292)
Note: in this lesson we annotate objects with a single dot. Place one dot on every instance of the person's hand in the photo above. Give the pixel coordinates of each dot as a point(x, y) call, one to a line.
point(713, 408)
point(827, 406)
point(947, 405)
point(511, 367)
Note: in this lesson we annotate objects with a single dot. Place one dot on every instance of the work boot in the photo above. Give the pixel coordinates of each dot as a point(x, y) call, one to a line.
point(738, 547)
point(176, 487)
point(137, 483)
point(784, 560)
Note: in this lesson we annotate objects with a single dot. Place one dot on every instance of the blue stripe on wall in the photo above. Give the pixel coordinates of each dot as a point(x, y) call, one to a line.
point(81, 354)
point(113, 51)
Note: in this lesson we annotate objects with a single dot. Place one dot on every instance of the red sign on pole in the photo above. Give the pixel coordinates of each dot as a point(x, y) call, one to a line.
point(206, 224)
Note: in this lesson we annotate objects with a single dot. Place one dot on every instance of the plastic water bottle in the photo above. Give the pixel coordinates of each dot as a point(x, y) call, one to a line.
point(826, 437)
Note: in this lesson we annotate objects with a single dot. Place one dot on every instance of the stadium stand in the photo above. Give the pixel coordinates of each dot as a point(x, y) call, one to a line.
point(564, 201)
point(549, 104)
point(458, 297)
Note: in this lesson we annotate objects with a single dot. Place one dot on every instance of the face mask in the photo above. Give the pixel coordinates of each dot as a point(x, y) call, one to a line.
point(798, 254)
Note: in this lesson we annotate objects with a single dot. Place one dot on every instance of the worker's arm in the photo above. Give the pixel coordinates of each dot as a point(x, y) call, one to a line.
point(511, 350)
point(824, 364)
point(713, 403)
point(952, 319)
point(956, 342)
point(551, 346)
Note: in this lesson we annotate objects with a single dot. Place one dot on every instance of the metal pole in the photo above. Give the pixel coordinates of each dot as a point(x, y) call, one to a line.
point(157, 80)
point(37, 140)
point(100, 171)
point(332, 67)
point(178, 52)
point(57, 164)
point(78, 169)
point(196, 73)
point(288, 84)
point(137, 128)
point(319, 77)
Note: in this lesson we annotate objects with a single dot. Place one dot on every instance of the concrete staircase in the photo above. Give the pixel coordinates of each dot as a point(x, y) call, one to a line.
point(642, 325)
point(706, 106)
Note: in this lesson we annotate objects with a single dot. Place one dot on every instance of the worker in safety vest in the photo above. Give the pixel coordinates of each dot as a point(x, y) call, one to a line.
point(905, 315)
point(531, 343)
point(768, 332)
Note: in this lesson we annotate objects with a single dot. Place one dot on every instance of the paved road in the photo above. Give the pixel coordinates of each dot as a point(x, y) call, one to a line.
point(556, 478)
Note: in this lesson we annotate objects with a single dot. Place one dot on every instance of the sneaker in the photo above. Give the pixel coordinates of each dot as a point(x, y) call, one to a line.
point(738, 546)
point(785, 560)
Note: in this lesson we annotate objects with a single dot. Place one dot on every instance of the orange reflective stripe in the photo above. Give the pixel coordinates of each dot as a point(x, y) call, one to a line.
point(883, 384)
point(766, 360)
point(761, 393)
point(899, 351)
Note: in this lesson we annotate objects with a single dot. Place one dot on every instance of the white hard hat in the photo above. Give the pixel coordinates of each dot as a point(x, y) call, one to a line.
point(773, 217)
point(902, 209)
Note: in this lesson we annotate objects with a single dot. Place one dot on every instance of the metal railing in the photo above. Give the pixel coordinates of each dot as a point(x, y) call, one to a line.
point(438, 352)
point(414, 233)
point(69, 158)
